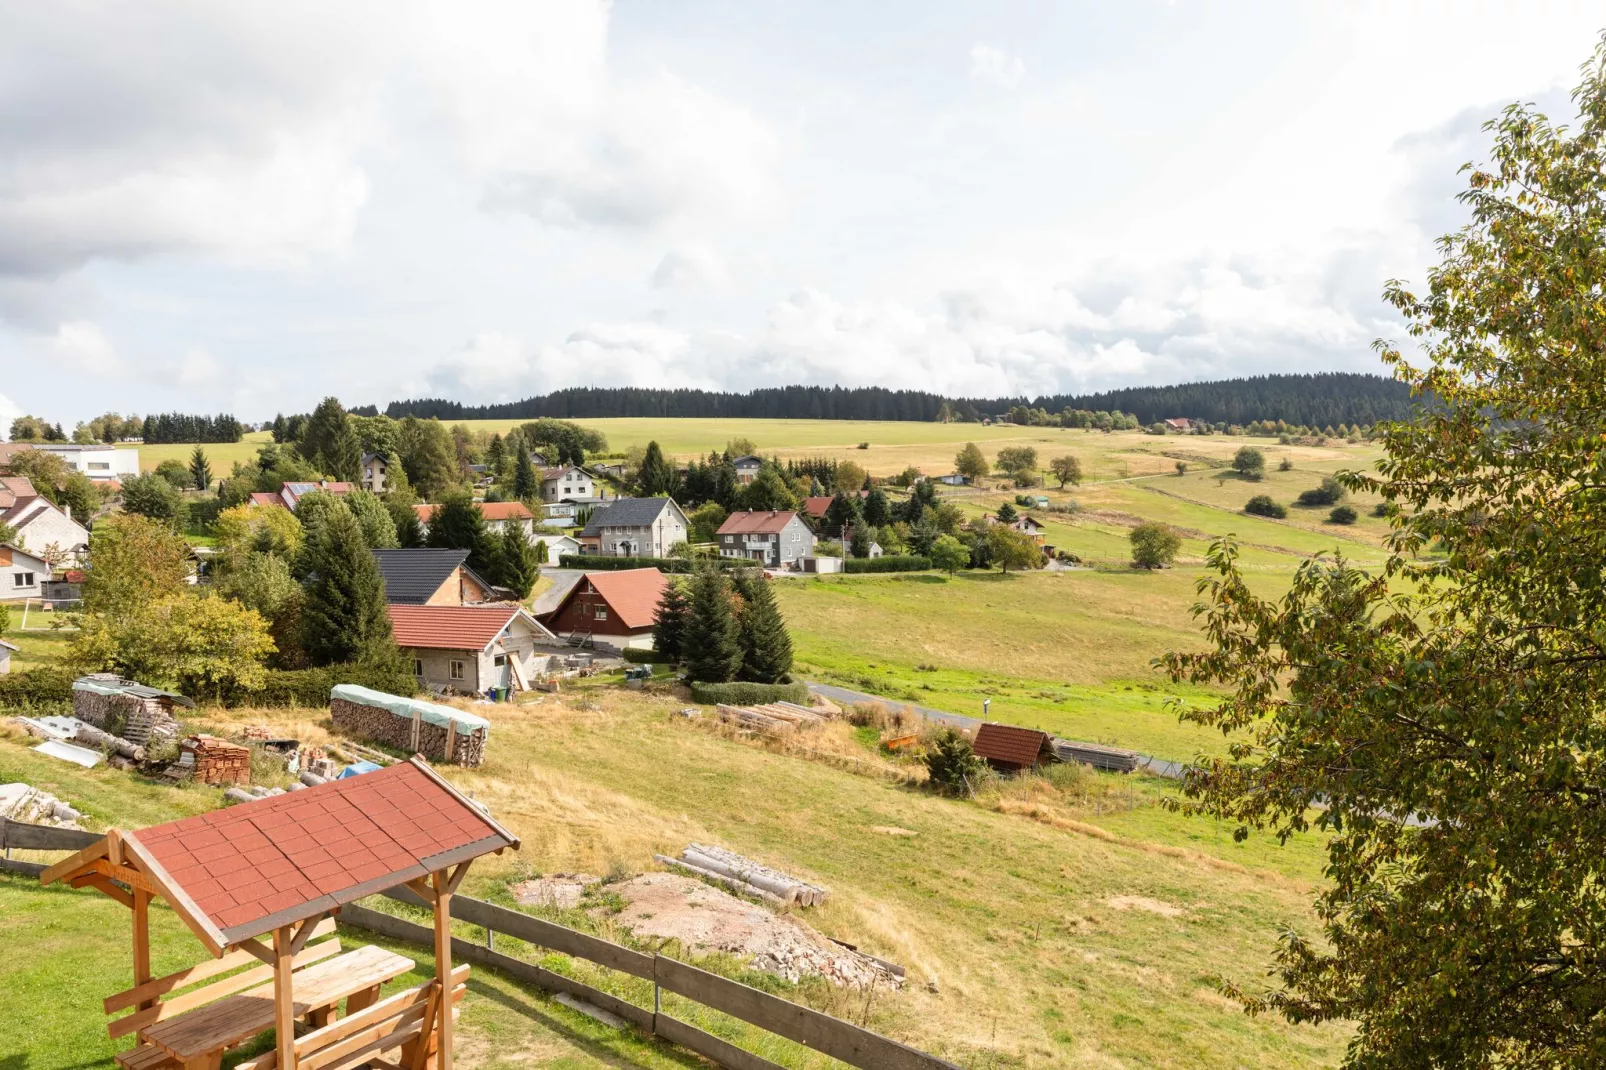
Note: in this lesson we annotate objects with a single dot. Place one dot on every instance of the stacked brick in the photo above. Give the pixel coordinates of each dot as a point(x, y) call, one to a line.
point(214, 761)
point(414, 735)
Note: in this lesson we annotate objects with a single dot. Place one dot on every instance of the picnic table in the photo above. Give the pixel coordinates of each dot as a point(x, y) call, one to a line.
point(197, 1039)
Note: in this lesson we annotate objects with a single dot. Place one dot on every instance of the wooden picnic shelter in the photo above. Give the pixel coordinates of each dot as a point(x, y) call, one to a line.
point(260, 882)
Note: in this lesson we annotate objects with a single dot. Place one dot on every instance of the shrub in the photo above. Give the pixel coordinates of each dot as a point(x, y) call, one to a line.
point(889, 563)
point(640, 656)
point(1285, 465)
point(310, 687)
point(1342, 515)
point(1249, 463)
point(864, 445)
point(952, 764)
point(36, 689)
point(1154, 545)
point(1331, 492)
point(1263, 505)
point(1380, 509)
point(607, 563)
point(741, 693)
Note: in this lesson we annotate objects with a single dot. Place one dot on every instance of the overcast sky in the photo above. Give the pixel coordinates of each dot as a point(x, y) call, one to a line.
point(245, 206)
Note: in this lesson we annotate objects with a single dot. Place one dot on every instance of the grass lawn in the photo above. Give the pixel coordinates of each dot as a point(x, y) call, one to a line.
point(39, 643)
point(221, 455)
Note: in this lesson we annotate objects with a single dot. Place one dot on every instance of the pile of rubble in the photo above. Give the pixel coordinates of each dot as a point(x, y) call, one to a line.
point(30, 806)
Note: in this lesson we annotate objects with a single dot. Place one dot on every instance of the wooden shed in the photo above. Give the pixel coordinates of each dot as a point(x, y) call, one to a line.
point(261, 881)
point(1013, 750)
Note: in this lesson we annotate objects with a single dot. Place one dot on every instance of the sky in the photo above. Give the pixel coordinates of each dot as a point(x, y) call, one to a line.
point(218, 206)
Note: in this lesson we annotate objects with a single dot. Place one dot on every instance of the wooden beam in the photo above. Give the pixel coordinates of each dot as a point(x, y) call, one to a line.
point(104, 886)
point(284, 1005)
point(306, 930)
point(443, 971)
point(205, 970)
point(171, 1008)
point(142, 938)
point(114, 847)
point(424, 891)
point(457, 876)
point(257, 950)
point(122, 874)
point(71, 864)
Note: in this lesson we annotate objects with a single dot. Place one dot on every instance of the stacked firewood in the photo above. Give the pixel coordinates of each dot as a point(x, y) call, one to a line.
point(412, 734)
point(214, 761)
point(771, 717)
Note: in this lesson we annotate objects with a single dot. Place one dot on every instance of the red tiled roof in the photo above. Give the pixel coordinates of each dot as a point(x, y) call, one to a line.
point(1008, 744)
point(424, 512)
point(259, 865)
point(755, 523)
point(505, 511)
point(816, 506)
point(14, 489)
point(452, 627)
point(263, 497)
point(632, 594)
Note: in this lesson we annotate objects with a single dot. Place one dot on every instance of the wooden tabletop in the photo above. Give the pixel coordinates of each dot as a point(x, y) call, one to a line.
point(238, 1018)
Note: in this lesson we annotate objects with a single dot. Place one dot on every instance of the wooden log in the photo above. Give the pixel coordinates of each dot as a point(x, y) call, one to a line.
point(94, 737)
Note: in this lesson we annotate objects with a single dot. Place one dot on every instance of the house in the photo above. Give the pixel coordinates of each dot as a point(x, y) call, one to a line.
point(22, 574)
point(41, 527)
point(614, 609)
point(6, 650)
point(501, 515)
point(375, 467)
point(564, 514)
point(1030, 525)
point(875, 550)
point(816, 505)
point(97, 461)
point(473, 648)
point(566, 481)
point(557, 546)
point(1010, 749)
point(774, 539)
point(430, 578)
point(953, 479)
point(290, 494)
point(635, 527)
point(747, 468)
point(1179, 424)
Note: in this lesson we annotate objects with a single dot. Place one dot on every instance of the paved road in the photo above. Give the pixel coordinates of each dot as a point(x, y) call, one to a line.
point(1157, 766)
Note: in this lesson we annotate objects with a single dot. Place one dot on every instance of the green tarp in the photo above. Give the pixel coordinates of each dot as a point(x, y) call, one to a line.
point(436, 714)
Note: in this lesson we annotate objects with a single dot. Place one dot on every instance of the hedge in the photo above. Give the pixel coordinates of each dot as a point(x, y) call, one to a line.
point(608, 563)
point(640, 656)
point(310, 687)
point(37, 689)
point(899, 563)
point(741, 693)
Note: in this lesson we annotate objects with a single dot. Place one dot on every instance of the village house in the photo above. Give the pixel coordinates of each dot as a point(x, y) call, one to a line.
point(566, 481)
point(565, 514)
point(557, 546)
point(774, 539)
point(1030, 525)
point(1179, 424)
point(430, 577)
point(815, 506)
point(471, 649)
point(40, 526)
point(374, 468)
point(22, 574)
point(289, 494)
point(611, 609)
point(98, 461)
point(635, 527)
point(1010, 749)
point(501, 515)
point(747, 468)
point(953, 479)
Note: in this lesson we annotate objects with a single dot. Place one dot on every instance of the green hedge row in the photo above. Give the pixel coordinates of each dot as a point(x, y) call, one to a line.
point(310, 687)
point(602, 563)
point(741, 693)
point(37, 689)
point(901, 563)
point(639, 656)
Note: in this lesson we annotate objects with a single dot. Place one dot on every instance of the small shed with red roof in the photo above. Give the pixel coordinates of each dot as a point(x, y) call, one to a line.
point(614, 609)
point(472, 648)
point(280, 867)
point(1011, 749)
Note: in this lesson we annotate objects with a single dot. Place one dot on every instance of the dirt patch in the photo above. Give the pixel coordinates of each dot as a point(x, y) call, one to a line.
point(1138, 902)
point(893, 830)
point(561, 890)
point(670, 906)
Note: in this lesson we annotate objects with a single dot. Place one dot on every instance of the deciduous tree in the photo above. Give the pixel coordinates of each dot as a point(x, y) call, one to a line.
point(970, 462)
point(155, 498)
point(949, 554)
point(1066, 469)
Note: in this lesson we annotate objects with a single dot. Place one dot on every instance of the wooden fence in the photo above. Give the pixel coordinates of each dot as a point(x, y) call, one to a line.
point(831, 1036)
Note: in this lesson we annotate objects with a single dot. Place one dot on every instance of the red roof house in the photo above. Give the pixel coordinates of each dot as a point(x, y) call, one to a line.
point(474, 647)
point(1011, 749)
point(614, 608)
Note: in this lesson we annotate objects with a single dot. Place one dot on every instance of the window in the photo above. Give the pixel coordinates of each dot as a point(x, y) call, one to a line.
point(100, 466)
point(500, 659)
point(456, 670)
point(418, 668)
point(602, 612)
point(22, 579)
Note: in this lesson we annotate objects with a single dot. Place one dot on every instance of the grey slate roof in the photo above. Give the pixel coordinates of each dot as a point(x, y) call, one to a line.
point(626, 513)
point(411, 576)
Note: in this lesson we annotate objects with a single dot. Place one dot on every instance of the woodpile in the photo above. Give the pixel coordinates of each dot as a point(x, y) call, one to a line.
point(1099, 757)
point(417, 735)
point(131, 710)
point(744, 875)
point(771, 717)
point(213, 761)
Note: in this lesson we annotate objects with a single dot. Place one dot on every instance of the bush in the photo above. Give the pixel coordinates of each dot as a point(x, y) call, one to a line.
point(1249, 463)
point(741, 693)
point(1331, 492)
point(36, 689)
point(1380, 509)
point(606, 563)
point(310, 687)
point(638, 656)
point(203, 514)
point(1342, 515)
point(1263, 505)
point(889, 563)
point(952, 764)
point(1154, 545)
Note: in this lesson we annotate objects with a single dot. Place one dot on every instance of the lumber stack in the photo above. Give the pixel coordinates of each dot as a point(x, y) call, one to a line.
point(214, 761)
point(414, 734)
point(1099, 757)
point(744, 875)
point(771, 717)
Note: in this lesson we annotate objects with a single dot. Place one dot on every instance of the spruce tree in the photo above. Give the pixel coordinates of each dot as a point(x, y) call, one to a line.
point(877, 511)
point(838, 515)
point(515, 561)
point(859, 541)
point(526, 484)
point(458, 524)
point(669, 623)
point(200, 469)
point(656, 478)
point(345, 619)
point(712, 646)
point(496, 457)
point(766, 648)
point(329, 442)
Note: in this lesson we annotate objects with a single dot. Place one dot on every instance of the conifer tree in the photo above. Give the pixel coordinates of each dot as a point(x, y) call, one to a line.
point(516, 564)
point(345, 619)
point(711, 645)
point(378, 529)
point(766, 648)
point(877, 511)
point(329, 442)
point(859, 541)
point(839, 515)
point(526, 485)
point(669, 623)
point(496, 457)
point(656, 478)
point(200, 469)
point(458, 524)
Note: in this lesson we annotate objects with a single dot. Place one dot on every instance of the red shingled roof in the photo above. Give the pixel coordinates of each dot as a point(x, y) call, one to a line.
point(755, 523)
point(816, 506)
point(632, 594)
point(452, 627)
point(505, 511)
point(256, 866)
point(1009, 745)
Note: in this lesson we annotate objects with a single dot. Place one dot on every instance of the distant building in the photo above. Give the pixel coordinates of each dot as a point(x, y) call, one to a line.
point(430, 577)
point(1178, 423)
point(747, 468)
point(473, 648)
point(41, 526)
point(773, 539)
point(612, 609)
point(1010, 749)
point(289, 495)
point(97, 461)
point(22, 574)
point(501, 515)
point(635, 527)
point(566, 481)
point(375, 472)
point(557, 546)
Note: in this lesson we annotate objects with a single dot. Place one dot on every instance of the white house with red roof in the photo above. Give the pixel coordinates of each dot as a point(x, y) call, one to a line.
point(473, 648)
point(774, 539)
point(566, 481)
point(41, 527)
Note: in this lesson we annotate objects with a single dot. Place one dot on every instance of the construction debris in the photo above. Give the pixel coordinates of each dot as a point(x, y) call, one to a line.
point(210, 760)
point(772, 716)
point(1099, 757)
point(561, 890)
point(256, 733)
point(749, 877)
point(90, 736)
point(67, 752)
point(440, 733)
point(250, 794)
point(28, 805)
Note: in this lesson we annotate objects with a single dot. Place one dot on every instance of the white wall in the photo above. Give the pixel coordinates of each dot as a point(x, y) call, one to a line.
point(97, 463)
point(45, 524)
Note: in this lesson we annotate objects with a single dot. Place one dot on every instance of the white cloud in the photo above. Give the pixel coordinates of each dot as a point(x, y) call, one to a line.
point(80, 349)
point(995, 67)
point(692, 268)
point(9, 410)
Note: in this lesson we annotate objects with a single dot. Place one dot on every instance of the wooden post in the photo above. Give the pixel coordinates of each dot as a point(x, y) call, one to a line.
point(443, 969)
point(284, 1007)
point(142, 942)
